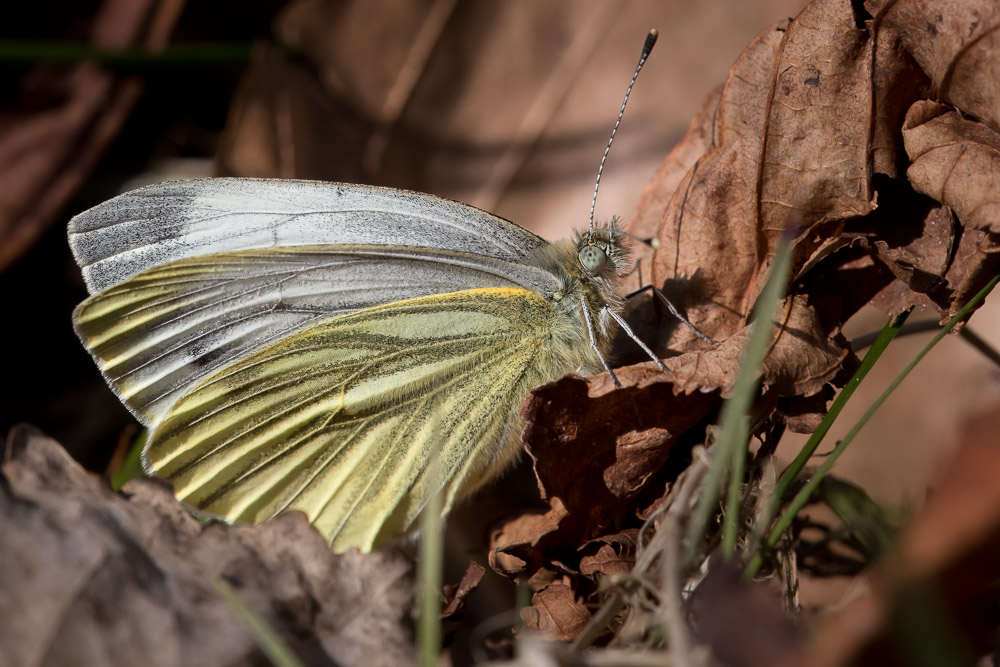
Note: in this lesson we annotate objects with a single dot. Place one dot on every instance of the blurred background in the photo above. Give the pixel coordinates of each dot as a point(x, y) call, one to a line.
point(506, 106)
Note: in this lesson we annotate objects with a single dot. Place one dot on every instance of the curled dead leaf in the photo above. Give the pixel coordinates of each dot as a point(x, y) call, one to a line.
point(956, 161)
point(555, 613)
point(810, 126)
point(516, 546)
point(921, 261)
point(455, 595)
point(956, 43)
point(609, 555)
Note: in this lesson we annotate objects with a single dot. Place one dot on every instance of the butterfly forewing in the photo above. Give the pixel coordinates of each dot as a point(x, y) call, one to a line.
point(169, 221)
point(344, 418)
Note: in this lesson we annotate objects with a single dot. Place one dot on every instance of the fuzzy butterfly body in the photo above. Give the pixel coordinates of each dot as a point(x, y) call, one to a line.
point(344, 350)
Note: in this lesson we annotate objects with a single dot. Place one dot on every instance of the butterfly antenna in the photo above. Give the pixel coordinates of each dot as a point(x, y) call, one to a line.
point(646, 48)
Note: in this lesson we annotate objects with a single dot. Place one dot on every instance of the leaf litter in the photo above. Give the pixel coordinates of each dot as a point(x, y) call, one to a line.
point(871, 126)
point(848, 121)
point(93, 577)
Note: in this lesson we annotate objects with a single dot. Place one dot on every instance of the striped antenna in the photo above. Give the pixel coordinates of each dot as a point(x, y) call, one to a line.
point(646, 48)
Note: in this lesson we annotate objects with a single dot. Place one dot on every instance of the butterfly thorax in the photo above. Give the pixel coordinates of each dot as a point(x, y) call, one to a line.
point(595, 287)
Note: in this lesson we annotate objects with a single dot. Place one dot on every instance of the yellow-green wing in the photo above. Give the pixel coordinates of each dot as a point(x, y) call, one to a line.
point(160, 332)
point(343, 419)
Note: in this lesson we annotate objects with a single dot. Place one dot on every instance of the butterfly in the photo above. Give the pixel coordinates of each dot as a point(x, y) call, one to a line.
point(344, 350)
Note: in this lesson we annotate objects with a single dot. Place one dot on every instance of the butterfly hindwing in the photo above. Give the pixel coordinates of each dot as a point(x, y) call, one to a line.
point(165, 329)
point(343, 418)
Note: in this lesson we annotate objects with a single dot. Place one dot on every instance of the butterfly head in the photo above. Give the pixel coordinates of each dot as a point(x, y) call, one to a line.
point(601, 251)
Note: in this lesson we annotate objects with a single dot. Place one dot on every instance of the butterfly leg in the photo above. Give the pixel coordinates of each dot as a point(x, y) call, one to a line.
point(631, 334)
point(673, 311)
point(593, 342)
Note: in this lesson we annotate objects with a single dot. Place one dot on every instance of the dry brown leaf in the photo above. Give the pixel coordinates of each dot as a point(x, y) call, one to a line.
point(610, 554)
point(809, 127)
point(555, 613)
point(456, 594)
point(800, 361)
point(956, 43)
point(922, 261)
point(981, 265)
point(925, 264)
point(898, 82)
point(91, 577)
point(792, 141)
point(816, 141)
point(682, 209)
point(516, 547)
point(594, 448)
point(956, 161)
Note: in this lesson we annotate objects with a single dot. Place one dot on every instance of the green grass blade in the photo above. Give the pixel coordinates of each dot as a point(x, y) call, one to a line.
point(731, 445)
point(888, 333)
point(273, 646)
point(131, 467)
point(871, 525)
point(737, 442)
point(802, 497)
point(429, 574)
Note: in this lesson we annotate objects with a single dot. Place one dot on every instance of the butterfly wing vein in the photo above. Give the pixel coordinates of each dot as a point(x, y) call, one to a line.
point(358, 419)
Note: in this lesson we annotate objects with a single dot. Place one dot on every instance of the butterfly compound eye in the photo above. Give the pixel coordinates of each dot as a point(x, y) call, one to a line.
point(592, 257)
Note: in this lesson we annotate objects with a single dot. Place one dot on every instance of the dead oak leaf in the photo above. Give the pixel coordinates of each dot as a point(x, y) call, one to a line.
point(705, 238)
point(921, 261)
point(792, 139)
point(956, 161)
point(811, 123)
point(816, 138)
